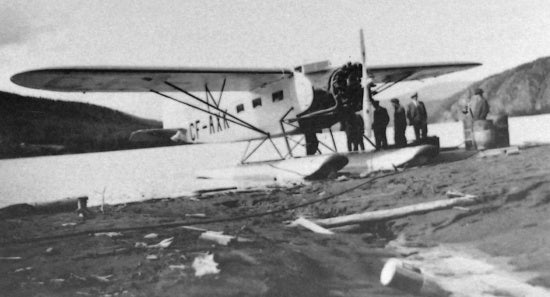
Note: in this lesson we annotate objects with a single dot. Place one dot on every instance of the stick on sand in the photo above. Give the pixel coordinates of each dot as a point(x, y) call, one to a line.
point(395, 213)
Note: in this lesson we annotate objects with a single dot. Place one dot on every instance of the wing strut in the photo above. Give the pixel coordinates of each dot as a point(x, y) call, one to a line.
point(243, 123)
point(245, 156)
point(233, 119)
point(209, 95)
point(209, 112)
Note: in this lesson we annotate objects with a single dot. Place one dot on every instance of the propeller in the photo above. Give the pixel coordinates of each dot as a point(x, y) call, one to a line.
point(365, 81)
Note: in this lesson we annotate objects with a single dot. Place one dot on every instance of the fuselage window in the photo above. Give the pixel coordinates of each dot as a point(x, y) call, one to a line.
point(256, 102)
point(240, 108)
point(277, 96)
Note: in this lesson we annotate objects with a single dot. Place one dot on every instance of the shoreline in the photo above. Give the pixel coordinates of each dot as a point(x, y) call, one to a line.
point(278, 260)
point(137, 174)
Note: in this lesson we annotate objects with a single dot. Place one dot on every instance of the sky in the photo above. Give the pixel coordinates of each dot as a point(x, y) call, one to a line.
point(169, 33)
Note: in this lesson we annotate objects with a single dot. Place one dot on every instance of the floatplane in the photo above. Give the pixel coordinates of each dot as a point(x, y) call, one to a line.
point(276, 102)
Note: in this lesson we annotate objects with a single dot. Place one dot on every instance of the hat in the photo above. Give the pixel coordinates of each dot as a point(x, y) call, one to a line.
point(415, 95)
point(394, 100)
point(478, 91)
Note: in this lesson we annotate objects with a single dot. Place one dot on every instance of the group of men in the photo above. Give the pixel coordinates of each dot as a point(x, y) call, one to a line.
point(416, 114)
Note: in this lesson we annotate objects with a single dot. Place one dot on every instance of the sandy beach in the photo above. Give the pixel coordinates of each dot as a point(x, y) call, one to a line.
point(498, 247)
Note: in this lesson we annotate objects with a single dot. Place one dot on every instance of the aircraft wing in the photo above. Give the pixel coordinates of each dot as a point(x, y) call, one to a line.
point(111, 79)
point(405, 72)
point(394, 73)
point(146, 79)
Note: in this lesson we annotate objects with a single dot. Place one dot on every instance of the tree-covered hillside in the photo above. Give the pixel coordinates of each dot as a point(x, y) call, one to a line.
point(36, 126)
point(523, 90)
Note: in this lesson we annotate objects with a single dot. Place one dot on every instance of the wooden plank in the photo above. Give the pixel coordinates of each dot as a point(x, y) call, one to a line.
point(310, 226)
point(395, 213)
point(511, 150)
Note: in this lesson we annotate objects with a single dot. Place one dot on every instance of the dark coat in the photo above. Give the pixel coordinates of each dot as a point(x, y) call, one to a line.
point(417, 115)
point(360, 124)
point(354, 125)
point(400, 119)
point(380, 118)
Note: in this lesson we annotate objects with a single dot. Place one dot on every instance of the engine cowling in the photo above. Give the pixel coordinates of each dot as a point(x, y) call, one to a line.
point(336, 94)
point(345, 86)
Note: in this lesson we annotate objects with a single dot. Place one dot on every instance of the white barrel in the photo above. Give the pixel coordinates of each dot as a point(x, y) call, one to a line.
point(484, 134)
point(398, 277)
point(407, 278)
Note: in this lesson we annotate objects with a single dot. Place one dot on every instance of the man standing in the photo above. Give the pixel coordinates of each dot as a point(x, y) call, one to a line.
point(355, 128)
point(312, 143)
point(478, 108)
point(399, 124)
point(418, 117)
point(379, 124)
point(359, 145)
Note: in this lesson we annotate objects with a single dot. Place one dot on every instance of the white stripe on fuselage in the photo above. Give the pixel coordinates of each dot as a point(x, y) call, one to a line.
point(205, 128)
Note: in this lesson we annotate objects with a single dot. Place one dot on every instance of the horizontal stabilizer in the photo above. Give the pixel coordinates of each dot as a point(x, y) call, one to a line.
point(160, 136)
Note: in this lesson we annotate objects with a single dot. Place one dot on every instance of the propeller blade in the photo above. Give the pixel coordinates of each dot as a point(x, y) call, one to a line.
point(367, 106)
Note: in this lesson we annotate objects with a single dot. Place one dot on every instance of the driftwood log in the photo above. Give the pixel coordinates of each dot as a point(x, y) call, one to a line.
point(301, 221)
point(395, 213)
point(51, 207)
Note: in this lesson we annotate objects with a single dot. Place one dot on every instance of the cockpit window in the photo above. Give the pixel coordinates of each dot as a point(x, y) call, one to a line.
point(277, 96)
point(256, 102)
point(240, 108)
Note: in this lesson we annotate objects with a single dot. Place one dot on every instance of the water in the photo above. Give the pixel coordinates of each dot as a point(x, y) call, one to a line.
point(124, 176)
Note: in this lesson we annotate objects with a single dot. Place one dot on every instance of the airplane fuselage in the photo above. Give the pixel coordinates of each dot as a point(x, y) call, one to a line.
point(262, 108)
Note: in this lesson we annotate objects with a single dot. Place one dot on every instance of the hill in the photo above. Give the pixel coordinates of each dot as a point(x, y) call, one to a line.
point(523, 90)
point(432, 96)
point(37, 126)
point(436, 92)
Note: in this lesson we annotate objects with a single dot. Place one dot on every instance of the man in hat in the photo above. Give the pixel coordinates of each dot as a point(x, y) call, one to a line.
point(358, 144)
point(399, 123)
point(478, 108)
point(354, 126)
point(418, 117)
point(379, 124)
point(348, 125)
